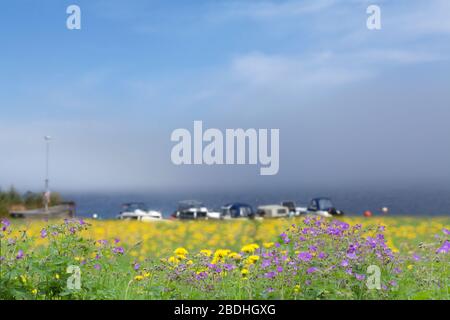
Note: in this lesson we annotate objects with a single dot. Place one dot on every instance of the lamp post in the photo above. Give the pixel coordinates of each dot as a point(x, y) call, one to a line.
point(47, 189)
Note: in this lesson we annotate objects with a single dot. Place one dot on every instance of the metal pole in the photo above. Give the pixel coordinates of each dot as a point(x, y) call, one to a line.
point(47, 181)
point(46, 164)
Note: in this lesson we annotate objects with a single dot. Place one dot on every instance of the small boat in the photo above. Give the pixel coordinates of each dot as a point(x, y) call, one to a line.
point(138, 211)
point(294, 210)
point(237, 210)
point(273, 211)
point(323, 207)
point(190, 210)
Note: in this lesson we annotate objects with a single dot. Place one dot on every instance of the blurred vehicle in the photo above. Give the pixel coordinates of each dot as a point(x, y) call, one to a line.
point(237, 210)
point(323, 207)
point(293, 209)
point(190, 210)
point(138, 211)
point(273, 211)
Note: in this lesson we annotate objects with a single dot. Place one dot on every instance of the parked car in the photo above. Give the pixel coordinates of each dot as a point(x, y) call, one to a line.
point(293, 209)
point(237, 210)
point(273, 211)
point(323, 207)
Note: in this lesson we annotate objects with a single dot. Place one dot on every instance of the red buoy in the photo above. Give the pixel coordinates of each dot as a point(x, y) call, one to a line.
point(367, 214)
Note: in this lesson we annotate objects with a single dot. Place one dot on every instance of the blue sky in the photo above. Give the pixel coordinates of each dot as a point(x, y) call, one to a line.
point(112, 92)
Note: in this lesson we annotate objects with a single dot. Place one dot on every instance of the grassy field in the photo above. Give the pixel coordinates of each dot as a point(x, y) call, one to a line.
point(298, 258)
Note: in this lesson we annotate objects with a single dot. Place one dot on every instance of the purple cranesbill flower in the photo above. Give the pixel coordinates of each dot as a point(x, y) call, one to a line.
point(97, 266)
point(19, 254)
point(277, 245)
point(43, 233)
point(72, 230)
point(352, 255)
point(269, 290)
point(265, 263)
point(349, 271)
point(279, 269)
point(344, 225)
point(201, 275)
point(380, 238)
point(344, 263)
point(444, 248)
point(229, 267)
point(136, 266)
point(102, 242)
point(393, 283)
point(305, 256)
point(446, 231)
point(397, 270)
point(83, 262)
point(116, 240)
point(270, 275)
point(81, 221)
point(5, 224)
point(118, 250)
point(311, 270)
point(416, 257)
point(360, 277)
point(371, 242)
point(322, 255)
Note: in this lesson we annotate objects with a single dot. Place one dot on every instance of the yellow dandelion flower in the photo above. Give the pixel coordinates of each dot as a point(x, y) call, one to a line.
point(250, 248)
point(235, 256)
point(244, 272)
point(268, 245)
point(34, 291)
point(410, 267)
point(138, 278)
point(57, 276)
point(181, 251)
point(221, 253)
point(206, 252)
point(253, 259)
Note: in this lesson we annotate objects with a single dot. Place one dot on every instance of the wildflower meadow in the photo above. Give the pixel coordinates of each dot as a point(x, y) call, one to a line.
point(298, 258)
